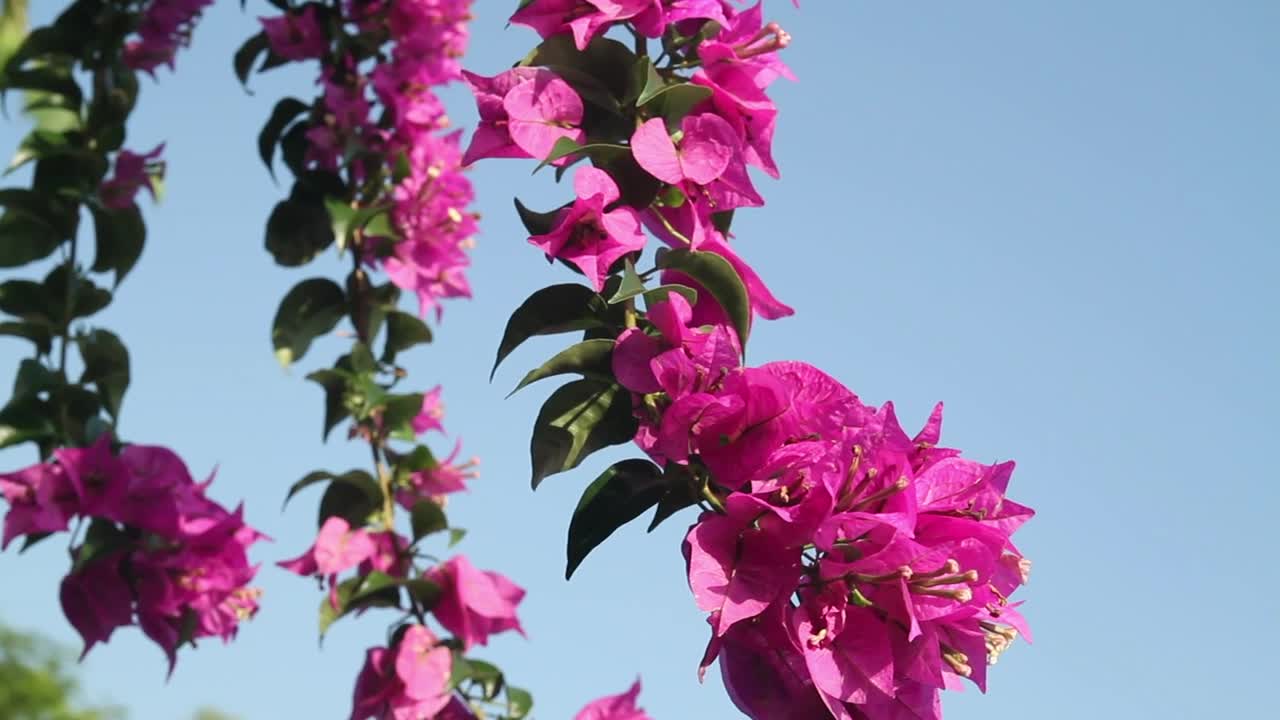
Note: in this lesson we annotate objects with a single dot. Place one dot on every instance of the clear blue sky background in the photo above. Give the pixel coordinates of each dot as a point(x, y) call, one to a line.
point(1062, 218)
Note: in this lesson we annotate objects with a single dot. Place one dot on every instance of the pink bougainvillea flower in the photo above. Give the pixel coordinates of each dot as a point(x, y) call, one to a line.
point(337, 548)
point(165, 26)
point(96, 600)
point(583, 18)
point(615, 707)
point(540, 111)
point(296, 36)
point(475, 604)
point(763, 670)
point(100, 479)
point(41, 500)
point(131, 174)
point(587, 235)
point(746, 42)
point(523, 112)
point(707, 145)
point(442, 478)
point(736, 98)
point(432, 413)
point(423, 666)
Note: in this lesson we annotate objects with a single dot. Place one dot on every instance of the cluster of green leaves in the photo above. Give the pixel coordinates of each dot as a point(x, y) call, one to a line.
point(621, 88)
point(67, 151)
point(37, 684)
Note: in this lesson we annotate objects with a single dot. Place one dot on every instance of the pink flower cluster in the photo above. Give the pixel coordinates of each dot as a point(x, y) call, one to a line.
point(409, 680)
point(851, 570)
point(159, 552)
point(429, 195)
point(165, 26)
point(702, 163)
point(133, 172)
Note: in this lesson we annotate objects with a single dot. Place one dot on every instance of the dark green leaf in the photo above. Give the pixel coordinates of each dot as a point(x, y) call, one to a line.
point(551, 310)
point(677, 495)
point(662, 293)
point(33, 377)
point(632, 284)
point(398, 415)
point(247, 56)
point(311, 309)
point(40, 335)
point(673, 102)
point(299, 228)
point(487, 676)
point(25, 419)
point(86, 297)
point(353, 497)
point(722, 220)
point(53, 79)
point(590, 358)
point(25, 239)
point(26, 299)
point(334, 383)
point(621, 494)
point(537, 223)
point(403, 332)
point(285, 112)
point(424, 592)
point(720, 279)
point(120, 235)
point(578, 419)
point(647, 80)
point(426, 518)
point(101, 539)
point(106, 365)
point(601, 153)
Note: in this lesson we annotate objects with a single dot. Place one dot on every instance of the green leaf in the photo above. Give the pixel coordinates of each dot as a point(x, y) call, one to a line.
point(27, 300)
point(677, 495)
point(311, 309)
point(398, 415)
point(298, 229)
point(334, 383)
point(519, 703)
point(590, 358)
point(649, 82)
point(427, 518)
point(106, 365)
point(487, 676)
point(600, 152)
point(632, 284)
point(13, 29)
point(403, 332)
point(424, 592)
point(551, 310)
point(578, 419)
point(347, 220)
point(456, 535)
point(41, 207)
point(102, 538)
point(621, 494)
point(33, 377)
point(247, 56)
point(662, 293)
point(673, 102)
point(120, 235)
point(353, 497)
point(86, 297)
point(25, 239)
point(363, 591)
point(26, 420)
point(359, 478)
point(40, 335)
point(537, 223)
point(285, 112)
point(719, 278)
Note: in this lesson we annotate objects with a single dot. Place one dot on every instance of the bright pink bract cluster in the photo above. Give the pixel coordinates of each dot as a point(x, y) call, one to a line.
point(164, 28)
point(428, 195)
point(851, 570)
point(158, 551)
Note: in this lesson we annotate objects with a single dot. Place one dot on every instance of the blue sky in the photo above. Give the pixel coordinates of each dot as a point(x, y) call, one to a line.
point(1062, 219)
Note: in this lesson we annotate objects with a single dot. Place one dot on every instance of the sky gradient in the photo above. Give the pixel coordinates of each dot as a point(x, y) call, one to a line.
point(1062, 219)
